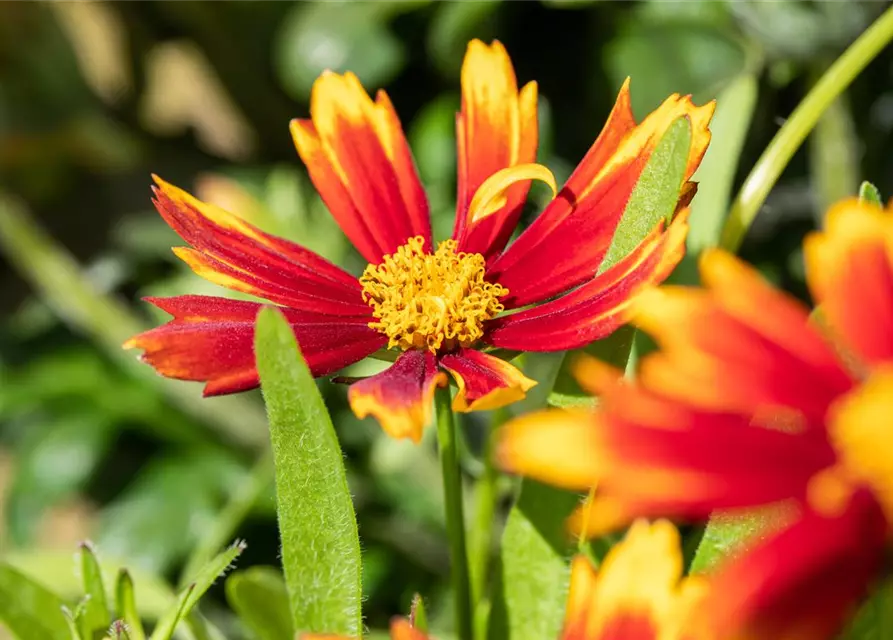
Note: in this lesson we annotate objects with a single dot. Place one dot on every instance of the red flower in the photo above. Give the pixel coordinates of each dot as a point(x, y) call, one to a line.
point(751, 402)
point(437, 306)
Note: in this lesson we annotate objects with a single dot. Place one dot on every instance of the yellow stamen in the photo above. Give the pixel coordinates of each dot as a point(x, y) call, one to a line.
point(430, 301)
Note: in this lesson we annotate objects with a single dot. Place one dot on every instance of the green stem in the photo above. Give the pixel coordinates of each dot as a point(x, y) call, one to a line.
point(485, 495)
point(804, 118)
point(455, 519)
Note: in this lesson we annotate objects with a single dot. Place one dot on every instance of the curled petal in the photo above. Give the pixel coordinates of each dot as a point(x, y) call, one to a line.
point(211, 340)
point(485, 381)
point(491, 197)
point(232, 253)
point(760, 353)
point(401, 396)
point(572, 235)
point(597, 308)
point(850, 272)
point(360, 163)
point(496, 129)
point(804, 581)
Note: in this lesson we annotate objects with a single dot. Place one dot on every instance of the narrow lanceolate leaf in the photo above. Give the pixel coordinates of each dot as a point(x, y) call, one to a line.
point(28, 609)
point(189, 597)
point(125, 606)
point(531, 587)
point(94, 618)
point(716, 175)
point(317, 524)
point(870, 194)
point(726, 533)
point(260, 599)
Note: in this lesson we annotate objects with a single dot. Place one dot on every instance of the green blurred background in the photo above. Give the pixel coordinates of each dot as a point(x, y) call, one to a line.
point(96, 96)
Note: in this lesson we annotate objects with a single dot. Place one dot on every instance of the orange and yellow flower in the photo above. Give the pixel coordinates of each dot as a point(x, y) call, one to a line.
point(749, 402)
point(436, 305)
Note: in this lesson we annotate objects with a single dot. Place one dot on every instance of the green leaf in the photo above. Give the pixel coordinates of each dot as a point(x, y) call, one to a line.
point(317, 524)
point(716, 175)
point(874, 620)
point(726, 532)
point(94, 620)
point(530, 588)
point(52, 569)
point(28, 609)
point(656, 193)
point(870, 194)
point(125, 605)
point(259, 597)
point(654, 198)
point(189, 597)
point(418, 616)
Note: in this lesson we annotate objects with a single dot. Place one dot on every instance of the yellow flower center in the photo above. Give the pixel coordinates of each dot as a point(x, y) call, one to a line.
point(430, 301)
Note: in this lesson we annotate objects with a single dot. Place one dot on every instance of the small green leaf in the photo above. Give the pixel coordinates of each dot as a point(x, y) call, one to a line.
point(125, 605)
point(317, 524)
point(656, 193)
point(716, 175)
point(94, 620)
point(189, 597)
point(870, 194)
point(28, 609)
point(418, 617)
point(259, 597)
point(726, 532)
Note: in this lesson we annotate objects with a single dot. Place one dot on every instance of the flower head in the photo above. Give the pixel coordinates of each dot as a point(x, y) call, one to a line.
point(749, 402)
point(439, 305)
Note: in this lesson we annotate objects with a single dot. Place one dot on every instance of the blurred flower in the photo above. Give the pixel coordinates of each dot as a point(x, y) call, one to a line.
point(751, 402)
point(638, 592)
point(433, 305)
point(401, 629)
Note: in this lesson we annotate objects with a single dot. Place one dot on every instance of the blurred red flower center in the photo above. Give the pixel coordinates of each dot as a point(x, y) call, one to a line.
point(436, 301)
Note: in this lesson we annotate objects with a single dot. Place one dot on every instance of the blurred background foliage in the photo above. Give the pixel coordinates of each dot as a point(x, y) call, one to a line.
point(96, 96)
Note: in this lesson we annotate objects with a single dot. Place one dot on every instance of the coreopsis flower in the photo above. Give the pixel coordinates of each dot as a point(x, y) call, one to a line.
point(638, 592)
point(751, 401)
point(440, 305)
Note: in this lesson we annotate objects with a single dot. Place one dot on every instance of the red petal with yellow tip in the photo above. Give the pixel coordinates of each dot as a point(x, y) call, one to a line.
point(597, 308)
point(359, 161)
point(211, 340)
point(570, 238)
point(401, 396)
point(496, 129)
point(232, 253)
point(485, 381)
point(557, 446)
point(804, 581)
point(760, 353)
point(850, 271)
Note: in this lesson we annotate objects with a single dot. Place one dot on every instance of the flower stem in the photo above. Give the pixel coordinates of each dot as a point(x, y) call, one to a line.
point(781, 149)
point(455, 519)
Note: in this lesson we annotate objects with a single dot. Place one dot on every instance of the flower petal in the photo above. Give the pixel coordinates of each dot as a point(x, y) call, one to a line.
point(760, 354)
point(496, 129)
point(566, 244)
point(850, 272)
point(360, 163)
point(597, 308)
point(232, 253)
point(402, 629)
point(804, 581)
point(401, 396)
point(211, 340)
point(485, 381)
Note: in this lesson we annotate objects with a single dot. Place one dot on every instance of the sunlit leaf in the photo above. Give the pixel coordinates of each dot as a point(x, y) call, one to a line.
point(28, 609)
point(125, 606)
point(259, 597)
point(95, 619)
point(870, 194)
point(320, 547)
